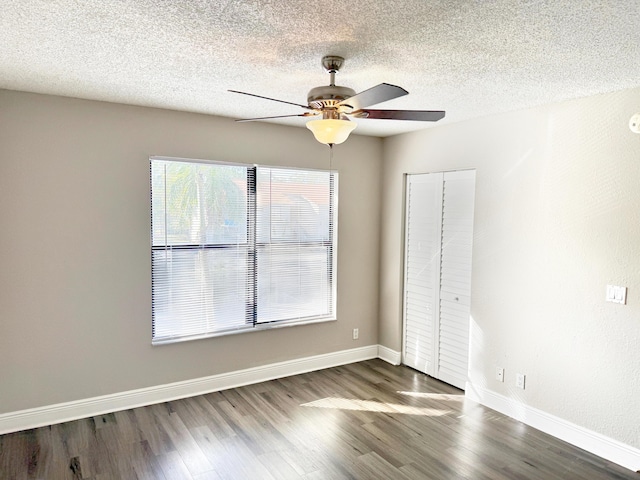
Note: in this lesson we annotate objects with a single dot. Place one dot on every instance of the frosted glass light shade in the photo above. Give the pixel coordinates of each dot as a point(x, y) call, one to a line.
point(330, 131)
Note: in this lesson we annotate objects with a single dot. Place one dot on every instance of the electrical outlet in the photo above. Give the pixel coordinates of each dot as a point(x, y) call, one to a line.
point(520, 377)
point(500, 374)
point(356, 333)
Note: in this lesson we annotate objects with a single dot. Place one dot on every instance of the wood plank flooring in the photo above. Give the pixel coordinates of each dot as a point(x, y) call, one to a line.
point(368, 420)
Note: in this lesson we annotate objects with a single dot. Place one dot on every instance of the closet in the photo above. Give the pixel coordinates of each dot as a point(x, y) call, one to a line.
point(437, 274)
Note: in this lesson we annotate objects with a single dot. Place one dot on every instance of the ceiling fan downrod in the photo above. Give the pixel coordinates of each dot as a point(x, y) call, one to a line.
point(332, 64)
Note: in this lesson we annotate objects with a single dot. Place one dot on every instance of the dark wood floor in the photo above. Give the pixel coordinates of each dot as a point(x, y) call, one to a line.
point(368, 420)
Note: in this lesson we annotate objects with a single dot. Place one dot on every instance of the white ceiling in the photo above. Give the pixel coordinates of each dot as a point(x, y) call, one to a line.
point(471, 58)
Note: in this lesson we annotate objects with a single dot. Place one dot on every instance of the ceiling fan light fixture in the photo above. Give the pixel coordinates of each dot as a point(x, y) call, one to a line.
point(331, 131)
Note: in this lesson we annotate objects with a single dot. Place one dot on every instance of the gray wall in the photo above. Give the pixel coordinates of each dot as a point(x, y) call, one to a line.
point(75, 284)
point(557, 218)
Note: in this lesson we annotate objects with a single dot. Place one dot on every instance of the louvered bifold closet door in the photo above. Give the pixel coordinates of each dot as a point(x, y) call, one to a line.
point(422, 270)
point(455, 276)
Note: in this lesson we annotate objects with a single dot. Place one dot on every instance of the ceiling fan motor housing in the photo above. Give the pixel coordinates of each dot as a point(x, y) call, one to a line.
point(328, 96)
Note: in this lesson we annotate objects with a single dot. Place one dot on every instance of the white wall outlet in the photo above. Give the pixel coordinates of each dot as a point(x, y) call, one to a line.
point(500, 374)
point(356, 333)
point(520, 377)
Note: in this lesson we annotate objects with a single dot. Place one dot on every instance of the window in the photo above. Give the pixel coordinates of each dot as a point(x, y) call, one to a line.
point(237, 247)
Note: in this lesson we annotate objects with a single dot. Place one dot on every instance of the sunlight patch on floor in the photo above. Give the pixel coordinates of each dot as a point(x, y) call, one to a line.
point(372, 406)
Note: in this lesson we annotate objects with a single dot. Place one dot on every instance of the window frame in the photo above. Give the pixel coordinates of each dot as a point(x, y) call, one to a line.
point(252, 246)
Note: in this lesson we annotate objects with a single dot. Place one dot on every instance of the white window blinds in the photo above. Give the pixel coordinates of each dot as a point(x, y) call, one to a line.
point(235, 247)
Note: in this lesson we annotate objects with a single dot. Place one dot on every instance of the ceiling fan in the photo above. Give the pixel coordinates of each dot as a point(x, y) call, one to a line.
point(336, 104)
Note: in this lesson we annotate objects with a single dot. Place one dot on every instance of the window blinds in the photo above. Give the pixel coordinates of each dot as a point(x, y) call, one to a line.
point(234, 247)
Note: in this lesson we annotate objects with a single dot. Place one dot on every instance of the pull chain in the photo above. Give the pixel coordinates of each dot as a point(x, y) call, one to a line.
point(330, 157)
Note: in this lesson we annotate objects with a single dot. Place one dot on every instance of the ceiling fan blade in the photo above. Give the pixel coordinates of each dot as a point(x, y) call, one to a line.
point(378, 94)
point(272, 99)
point(415, 115)
point(306, 114)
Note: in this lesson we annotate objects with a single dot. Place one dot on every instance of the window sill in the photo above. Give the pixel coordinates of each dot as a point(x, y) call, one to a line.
point(256, 328)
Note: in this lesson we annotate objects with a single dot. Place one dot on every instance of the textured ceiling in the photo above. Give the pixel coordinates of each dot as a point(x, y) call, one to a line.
point(470, 58)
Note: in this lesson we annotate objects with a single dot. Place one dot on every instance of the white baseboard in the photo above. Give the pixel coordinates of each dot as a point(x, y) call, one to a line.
point(388, 355)
point(593, 442)
point(64, 412)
